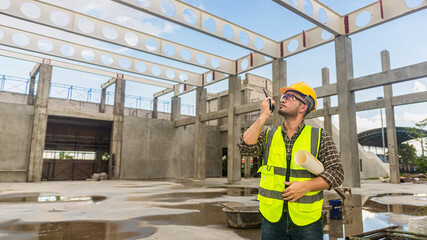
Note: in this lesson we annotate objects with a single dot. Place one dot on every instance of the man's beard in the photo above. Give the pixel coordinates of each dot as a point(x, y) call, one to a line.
point(289, 114)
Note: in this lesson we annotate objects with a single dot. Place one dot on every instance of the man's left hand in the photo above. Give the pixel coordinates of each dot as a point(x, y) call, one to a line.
point(295, 191)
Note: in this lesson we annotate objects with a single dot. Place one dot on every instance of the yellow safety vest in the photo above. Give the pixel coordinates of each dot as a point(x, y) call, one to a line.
point(308, 208)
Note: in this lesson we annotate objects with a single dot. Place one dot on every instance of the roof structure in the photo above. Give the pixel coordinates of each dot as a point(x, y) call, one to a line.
point(374, 138)
point(262, 49)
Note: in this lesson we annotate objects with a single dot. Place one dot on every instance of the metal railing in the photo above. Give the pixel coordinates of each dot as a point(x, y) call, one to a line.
point(71, 92)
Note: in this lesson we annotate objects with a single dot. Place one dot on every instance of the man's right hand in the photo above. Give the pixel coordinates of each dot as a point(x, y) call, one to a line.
point(265, 107)
point(251, 135)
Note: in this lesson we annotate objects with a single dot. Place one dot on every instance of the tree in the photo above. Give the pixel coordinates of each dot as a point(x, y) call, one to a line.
point(419, 135)
point(407, 154)
point(63, 156)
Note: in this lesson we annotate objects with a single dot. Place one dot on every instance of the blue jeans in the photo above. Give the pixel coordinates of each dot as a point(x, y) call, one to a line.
point(286, 229)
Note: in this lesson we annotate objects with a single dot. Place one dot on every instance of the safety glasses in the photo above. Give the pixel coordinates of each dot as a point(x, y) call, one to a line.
point(291, 97)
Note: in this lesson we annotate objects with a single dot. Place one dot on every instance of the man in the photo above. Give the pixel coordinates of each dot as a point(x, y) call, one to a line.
point(290, 197)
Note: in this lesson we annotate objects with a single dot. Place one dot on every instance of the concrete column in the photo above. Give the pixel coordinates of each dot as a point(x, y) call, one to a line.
point(155, 102)
point(98, 159)
point(391, 124)
point(102, 105)
point(326, 103)
point(199, 170)
point(117, 131)
point(247, 172)
point(347, 112)
point(176, 108)
point(279, 81)
point(30, 100)
point(38, 135)
point(234, 130)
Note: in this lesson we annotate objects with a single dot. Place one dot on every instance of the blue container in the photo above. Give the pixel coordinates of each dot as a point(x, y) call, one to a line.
point(336, 211)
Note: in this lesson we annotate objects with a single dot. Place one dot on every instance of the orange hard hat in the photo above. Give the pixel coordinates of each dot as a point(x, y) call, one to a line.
point(305, 91)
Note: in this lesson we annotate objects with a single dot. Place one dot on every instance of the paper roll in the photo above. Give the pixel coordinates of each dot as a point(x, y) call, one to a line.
point(309, 162)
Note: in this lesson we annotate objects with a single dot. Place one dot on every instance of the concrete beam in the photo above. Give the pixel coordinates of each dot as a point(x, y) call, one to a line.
point(270, 46)
point(406, 99)
point(333, 24)
point(390, 76)
point(113, 61)
point(163, 92)
point(391, 123)
point(326, 90)
point(248, 108)
point(199, 170)
point(76, 67)
point(234, 130)
point(35, 70)
point(184, 122)
point(136, 42)
point(108, 83)
point(347, 112)
point(246, 124)
point(214, 115)
point(38, 135)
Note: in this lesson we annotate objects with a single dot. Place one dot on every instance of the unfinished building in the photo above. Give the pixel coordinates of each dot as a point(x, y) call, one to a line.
point(159, 145)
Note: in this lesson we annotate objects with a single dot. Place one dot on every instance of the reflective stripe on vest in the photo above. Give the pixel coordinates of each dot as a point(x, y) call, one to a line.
point(308, 208)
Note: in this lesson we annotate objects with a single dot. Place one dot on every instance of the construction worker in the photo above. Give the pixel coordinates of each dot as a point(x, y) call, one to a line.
point(291, 197)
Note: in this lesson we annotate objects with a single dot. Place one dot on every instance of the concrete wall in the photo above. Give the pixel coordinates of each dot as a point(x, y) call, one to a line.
point(16, 121)
point(153, 148)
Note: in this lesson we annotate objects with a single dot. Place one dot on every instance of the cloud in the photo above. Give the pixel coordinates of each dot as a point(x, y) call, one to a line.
point(419, 87)
point(364, 124)
point(120, 14)
point(413, 117)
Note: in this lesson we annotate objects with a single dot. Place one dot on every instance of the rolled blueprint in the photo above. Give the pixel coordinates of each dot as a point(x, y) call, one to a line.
point(309, 162)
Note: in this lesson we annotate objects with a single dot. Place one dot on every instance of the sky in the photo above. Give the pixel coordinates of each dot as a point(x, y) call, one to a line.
point(405, 39)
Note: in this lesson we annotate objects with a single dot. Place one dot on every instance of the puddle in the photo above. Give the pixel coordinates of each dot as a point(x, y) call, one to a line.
point(208, 214)
point(140, 186)
point(185, 196)
point(366, 215)
point(241, 191)
point(178, 196)
point(77, 230)
point(46, 198)
point(392, 203)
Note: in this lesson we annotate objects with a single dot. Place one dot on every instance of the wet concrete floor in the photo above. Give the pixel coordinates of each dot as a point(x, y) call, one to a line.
point(164, 210)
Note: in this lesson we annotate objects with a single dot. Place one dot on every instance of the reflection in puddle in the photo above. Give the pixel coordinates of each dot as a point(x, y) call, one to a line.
point(47, 197)
point(177, 196)
point(78, 230)
point(208, 214)
point(371, 213)
point(185, 196)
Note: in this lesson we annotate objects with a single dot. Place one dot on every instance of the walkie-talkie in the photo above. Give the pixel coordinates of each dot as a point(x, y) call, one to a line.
point(269, 100)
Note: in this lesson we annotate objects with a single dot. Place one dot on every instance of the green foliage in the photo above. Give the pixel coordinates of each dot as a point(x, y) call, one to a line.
point(421, 164)
point(407, 153)
point(106, 156)
point(64, 156)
